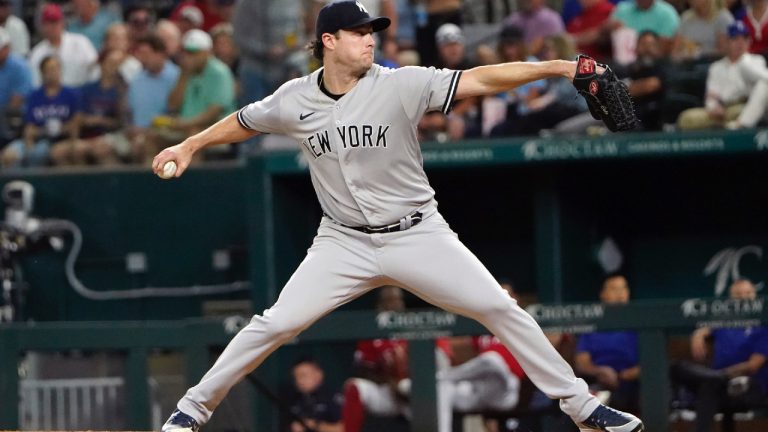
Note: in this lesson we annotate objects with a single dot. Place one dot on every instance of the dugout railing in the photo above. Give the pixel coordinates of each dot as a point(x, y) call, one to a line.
point(653, 321)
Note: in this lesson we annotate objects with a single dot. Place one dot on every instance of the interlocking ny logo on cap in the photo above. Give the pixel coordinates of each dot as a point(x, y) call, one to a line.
point(361, 7)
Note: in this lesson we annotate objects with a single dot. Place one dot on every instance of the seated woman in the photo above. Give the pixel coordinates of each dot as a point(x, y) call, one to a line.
point(703, 31)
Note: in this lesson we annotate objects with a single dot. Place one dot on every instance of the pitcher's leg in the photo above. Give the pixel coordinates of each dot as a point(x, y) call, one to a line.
point(335, 271)
point(431, 262)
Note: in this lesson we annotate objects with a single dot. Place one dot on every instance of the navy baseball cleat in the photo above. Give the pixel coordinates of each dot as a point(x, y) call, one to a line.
point(607, 419)
point(180, 422)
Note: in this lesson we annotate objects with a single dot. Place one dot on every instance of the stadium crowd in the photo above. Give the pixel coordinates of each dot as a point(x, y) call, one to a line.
point(92, 82)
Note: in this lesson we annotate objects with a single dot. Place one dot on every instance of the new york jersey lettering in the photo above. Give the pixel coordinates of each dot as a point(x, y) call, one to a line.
point(318, 144)
point(354, 136)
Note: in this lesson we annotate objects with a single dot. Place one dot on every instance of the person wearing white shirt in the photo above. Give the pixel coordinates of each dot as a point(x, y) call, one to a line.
point(737, 88)
point(75, 51)
point(16, 29)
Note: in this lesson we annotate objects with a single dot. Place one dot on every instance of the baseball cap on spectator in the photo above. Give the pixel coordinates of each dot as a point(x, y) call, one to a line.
point(511, 33)
point(346, 15)
point(192, 14)
point(196, 40)
point(737, 28)
point(5, 38)
point(449, 33)
point(51, 13)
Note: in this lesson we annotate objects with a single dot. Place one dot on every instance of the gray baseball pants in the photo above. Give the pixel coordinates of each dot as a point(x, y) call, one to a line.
point(427, 260)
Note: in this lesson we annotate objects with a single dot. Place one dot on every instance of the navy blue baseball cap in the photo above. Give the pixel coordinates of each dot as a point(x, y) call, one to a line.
point(737, 28)
point(345, 15)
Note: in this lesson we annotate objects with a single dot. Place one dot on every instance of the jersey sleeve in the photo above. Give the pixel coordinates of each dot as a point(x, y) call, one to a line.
point(426, 89)
point(263, 116)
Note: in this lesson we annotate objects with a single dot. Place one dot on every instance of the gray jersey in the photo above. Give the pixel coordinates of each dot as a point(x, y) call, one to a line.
point(364, 157)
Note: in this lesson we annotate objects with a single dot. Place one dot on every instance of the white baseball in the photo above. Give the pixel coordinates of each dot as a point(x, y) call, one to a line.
point(169, 169)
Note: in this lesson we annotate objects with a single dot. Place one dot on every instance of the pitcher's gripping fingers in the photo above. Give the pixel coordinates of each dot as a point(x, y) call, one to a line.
point(178, 154)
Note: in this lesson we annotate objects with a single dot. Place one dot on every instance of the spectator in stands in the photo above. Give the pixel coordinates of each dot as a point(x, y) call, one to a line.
point(464, 119)
point(755, 20)
point(610, 359)
point(737, 9)
point(15, 85)
point(389, 52)
point(590, 28)
point(225, 10)
point(490, 380)
point(642, 15)
point(383, 387)
point(75, 51)
point(703, 31)
point(268, 48)
point(512, 47)
point(16, 28)
point(430, 15)
point(116, 40)
point(450, 47)
point(538, 21)
point(559, 101)
point(212, 12)
point(647, 81)
point(148, 93)
point(52, 115)
point(189, 17)
point(224, 47)
point(738, 375)
point(310, 400)
point(140, 19)
point(737, 88)
point(101, 121)
point(91, 21)
point(170, 34)
point(204, 92)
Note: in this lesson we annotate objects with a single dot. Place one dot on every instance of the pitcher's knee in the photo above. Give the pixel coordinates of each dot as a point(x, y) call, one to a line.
point(279, 327)
point(498, 309)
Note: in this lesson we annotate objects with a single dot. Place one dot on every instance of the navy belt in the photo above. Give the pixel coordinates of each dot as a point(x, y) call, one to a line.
point(403, 224)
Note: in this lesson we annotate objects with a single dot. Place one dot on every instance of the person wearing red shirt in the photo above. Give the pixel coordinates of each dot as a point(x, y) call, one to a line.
point(214, 11)
point(490, 380)
point(590, 28)
point(756, 20)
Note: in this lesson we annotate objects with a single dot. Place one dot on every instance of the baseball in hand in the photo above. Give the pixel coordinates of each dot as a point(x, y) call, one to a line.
point(169, 169)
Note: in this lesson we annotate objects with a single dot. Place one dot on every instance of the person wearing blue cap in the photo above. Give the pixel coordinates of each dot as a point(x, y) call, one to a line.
point(737, 88)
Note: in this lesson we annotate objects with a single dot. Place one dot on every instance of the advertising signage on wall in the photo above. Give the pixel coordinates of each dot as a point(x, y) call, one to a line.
point(611, 146)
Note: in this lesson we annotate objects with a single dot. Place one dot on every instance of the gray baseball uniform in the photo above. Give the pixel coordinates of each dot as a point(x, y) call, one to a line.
point(366, 167)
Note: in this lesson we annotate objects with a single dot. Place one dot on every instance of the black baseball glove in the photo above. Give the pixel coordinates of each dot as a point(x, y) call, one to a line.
point(607, 97)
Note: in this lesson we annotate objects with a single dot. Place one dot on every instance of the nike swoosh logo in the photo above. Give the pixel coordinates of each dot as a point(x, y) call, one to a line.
point(303, 116)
